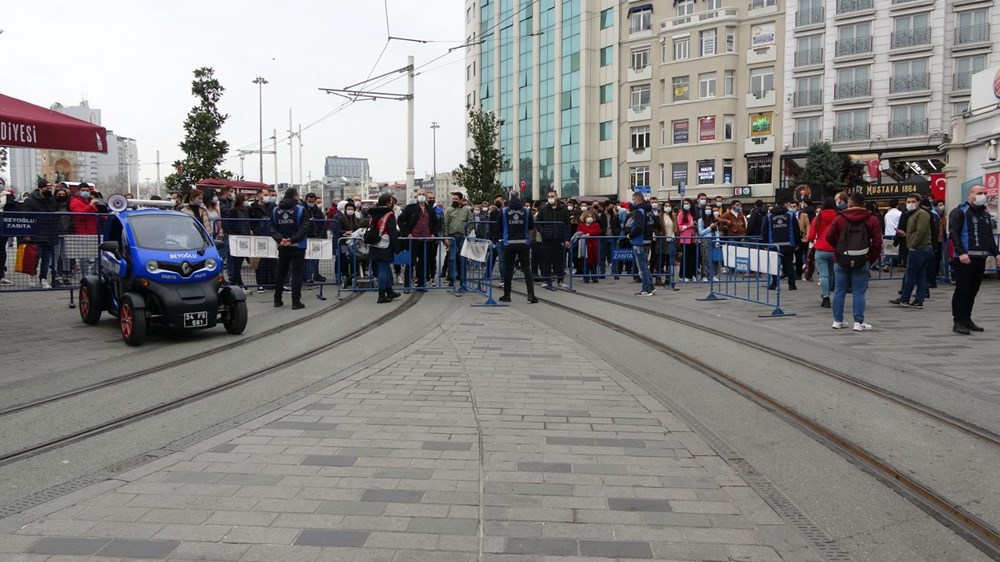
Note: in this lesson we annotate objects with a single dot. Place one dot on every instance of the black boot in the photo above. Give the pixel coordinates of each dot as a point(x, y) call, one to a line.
point(960, 328)
point(382, 299)
point(973, 327)
point(392, 294)
point(532, 299)
point(825, 303)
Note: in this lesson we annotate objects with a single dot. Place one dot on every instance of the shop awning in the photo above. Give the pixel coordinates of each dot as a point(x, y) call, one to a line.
point(640, 8)
point(30, 126)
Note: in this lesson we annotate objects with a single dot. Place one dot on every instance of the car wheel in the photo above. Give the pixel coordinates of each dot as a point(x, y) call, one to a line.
point(90, 300)
point(132, 321)
point(236, 318)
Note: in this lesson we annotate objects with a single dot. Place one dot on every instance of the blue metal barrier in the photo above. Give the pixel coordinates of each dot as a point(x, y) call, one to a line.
point(416, 260)
point(749, 270)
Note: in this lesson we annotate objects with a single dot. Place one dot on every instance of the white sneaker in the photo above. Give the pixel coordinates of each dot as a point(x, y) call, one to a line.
point(716, 279)
point(644, 294)
point(5, 281)
point(839, 325)
point(862, 327)
point(45, 284)
point(705, 279)
point(563, 286)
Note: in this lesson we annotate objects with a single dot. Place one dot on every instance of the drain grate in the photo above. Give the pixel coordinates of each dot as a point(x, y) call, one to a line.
point(47, 495)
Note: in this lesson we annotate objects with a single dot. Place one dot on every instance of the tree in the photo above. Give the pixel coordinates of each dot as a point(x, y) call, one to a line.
point(824, 168)
point(203, 149)
point(481, 172)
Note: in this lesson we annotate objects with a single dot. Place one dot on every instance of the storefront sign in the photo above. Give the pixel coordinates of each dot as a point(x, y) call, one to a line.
point(893, 190)
point(743, 191)
point(706, 129)
point(680, 132)
point(706, 171)
point(762, 35)
point(760, 124)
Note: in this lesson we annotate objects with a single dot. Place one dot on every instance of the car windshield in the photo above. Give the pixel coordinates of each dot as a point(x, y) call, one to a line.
point(167, 232)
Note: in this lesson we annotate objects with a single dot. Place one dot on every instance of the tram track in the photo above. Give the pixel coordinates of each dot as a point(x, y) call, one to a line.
point(972, 528)
point(180, 361)
point(175, 403)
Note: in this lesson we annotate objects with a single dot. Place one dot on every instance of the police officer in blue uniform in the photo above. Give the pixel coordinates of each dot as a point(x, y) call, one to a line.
point(970, 228)
point(516, 230)
point(289, 227)
point(781, 229)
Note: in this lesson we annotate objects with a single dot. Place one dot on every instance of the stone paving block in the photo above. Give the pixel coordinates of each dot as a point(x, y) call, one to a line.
point(224, 504)
point(208, 551)
point(638, 504)
point(550, 547)
point(443, 526)
point(204, 533)
point(616, 549)
point(240, 518)
point(66, 545)
point(178, 516)
point(260, 535)
point(681, 506)
point(543, 467)
point(337, 507)
point(681, 551)
point(329, 460)
point(395, 496)
point(421, 556)
point(287, 505)
point(424, 510)
point(253, 479)
point(282, 553)
point(407, 473)
point(138, 548)
point(58, 527)
point(327, 537)
point(446, 446)
point(374, 523)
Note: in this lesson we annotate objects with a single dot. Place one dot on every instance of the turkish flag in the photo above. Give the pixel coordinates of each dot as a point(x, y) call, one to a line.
point(873, 169)
point(938, 185)
point(523, 185)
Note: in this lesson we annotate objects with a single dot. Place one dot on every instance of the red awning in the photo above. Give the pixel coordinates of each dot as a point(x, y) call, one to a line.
point(31, 126)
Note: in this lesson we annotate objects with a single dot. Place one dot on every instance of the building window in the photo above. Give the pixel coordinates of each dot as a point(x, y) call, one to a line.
point(607, 93)
point(758, 4)
point(727, 170)
point(606, 167)
point(680, 131)
point(730, 39)
point(730, 79)
point(712, 5)
point(908, 120)
point(854, 39)
point(685, 7)
point(965, 67)
point(852, 126)
point(728, 127)
point(759, 169)
point(854, 82)
point(681, 86)
point(808, 91)
point(663, 177)
point(682, 48)
point(640, 58)
point(706, 172)
point(908, 31)
point(707, 42)
point(607, 56)
point(761, 81)
point(640, 97)
point(678, 174)
point(640, 20)
point(639, 175)
point(706, 85)
point(807, 131)
point(607, 18)
point(959, 107)
point(809, 50)
point(640, 137)
point(909, 76)
point(706, 129)
point(606, 130)
point(973, 27)
point(663, 134)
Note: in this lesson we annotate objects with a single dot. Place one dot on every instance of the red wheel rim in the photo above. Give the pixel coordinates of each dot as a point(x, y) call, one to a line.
point(125, 319)
point(84, 301)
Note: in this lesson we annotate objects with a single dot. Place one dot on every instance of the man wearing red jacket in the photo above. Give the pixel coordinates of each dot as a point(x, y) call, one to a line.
point(86, 221)
point(855, 227)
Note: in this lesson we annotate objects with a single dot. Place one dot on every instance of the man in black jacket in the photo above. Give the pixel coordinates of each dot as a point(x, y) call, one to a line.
point(261, 211)
point(970, 229)
point(316, 220)
point(781, 229)
point(289, 228)
point(46, 228)
point(552, 224)
point(419, 220)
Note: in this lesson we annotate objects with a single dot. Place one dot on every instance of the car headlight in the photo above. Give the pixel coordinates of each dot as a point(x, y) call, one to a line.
point(210, 263)
point(152, 266)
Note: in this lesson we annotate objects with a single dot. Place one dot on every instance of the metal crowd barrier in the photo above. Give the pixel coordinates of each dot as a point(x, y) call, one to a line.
point(416, 265)
point(549, 257)
point(750, 268)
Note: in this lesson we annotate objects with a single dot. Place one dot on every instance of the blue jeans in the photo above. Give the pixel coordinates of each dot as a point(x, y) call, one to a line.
point(824, 265)
point(384, 269)
point(857, 280)
point(640, 255)
point(311, 269)
point(916, 274)
point(456, 254)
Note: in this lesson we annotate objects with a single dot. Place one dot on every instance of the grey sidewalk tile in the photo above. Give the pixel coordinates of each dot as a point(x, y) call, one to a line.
point(446, 446)
point(443, 526)
point(329, 460)
point(112, 529)
point(416, 541)
point(241, 518)
point(407, 473)
point(423, 556)
point(67, 545)
point(224, 448)
point(253, 479)
point(549, 547)
point(305, 426)
point(193, 477)
point(637, 504)
point(337, 507)
point(326, 537)
point(676, 519)
point(393, 496)
point(287, 505)
point(203, 533)
point(179, 516)
point(260, 535)
point(208, 551)
point(138, 548)
point(543, 467)
point(616, 549)
point(283, 553)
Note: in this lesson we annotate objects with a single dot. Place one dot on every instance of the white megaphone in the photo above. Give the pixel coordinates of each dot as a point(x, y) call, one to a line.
point(117, 203)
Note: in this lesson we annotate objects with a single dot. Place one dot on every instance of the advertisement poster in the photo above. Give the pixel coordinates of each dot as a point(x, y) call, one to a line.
point(992, 184)
point(680, 132)
point(706, 129)
point(762, 35)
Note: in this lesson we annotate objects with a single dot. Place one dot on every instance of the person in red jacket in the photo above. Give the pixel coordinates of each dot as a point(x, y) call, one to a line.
point(846, 273)
point(82, 202)
point(588, 227)
point(824, 251)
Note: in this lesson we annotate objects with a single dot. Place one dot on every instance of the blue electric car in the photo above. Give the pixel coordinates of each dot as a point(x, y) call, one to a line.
point(159, 267)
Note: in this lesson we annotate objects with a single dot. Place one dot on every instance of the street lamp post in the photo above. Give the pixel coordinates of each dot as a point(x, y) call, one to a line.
point(434, 128)
point(260, 81)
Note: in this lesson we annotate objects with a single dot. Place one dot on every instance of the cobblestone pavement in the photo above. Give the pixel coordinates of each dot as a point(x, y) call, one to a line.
point(458, 448)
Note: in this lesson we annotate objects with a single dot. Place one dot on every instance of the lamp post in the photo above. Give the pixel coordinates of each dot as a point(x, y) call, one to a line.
point(434, 128)
point(260, 81)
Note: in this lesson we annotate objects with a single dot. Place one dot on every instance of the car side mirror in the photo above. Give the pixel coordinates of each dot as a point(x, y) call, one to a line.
point(110, 246)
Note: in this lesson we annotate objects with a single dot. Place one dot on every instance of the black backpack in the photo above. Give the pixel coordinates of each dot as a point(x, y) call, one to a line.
point(852, 248)
point(374, 233)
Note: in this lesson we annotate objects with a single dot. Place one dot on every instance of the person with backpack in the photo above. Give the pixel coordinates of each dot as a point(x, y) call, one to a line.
point(382, 238)
point(918, 237)
point(970, 230)
point(289, 227)
point(781, 229)
point(856, 234)
point(640, 235)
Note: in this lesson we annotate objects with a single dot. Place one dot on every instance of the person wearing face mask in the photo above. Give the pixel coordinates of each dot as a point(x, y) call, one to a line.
point(260, 212)
point(237, 223)
point(970, 230)
point(708, 230)
point(590, 255)
point(196, 208)
point(687, 224)
point(418, 220)
point(64, 227)
point(84, 209)
point(318, 226)
point(824, 252)
point(781, 229)
point(46, 227)
point(348, 221)
point(940, 235)
point(755, 220)
point(553, 222)
point(456, 221)
point(290, 228)
point(919, 241)
point(735, 221)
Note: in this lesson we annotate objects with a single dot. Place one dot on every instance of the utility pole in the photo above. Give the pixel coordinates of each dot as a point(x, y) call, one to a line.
point(291, 149)
point(300, 153)
point(274, 137)
point(242, 156)
point(260, 81)
point(158, 172)
point(434, 128)
point(410, 172)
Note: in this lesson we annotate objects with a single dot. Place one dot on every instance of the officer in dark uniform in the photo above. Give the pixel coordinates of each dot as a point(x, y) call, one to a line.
point(781, 229)
point(289, 227)
point(516, 230)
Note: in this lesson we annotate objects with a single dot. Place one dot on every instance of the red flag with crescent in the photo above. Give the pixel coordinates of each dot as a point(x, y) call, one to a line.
point(938, 185)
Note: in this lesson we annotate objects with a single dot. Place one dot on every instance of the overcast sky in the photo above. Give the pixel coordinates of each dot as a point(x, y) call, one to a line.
point(134, 61)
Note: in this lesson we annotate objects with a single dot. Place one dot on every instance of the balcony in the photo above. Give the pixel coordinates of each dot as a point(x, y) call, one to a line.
point(805, 138)
point(849, 133)
point(636, 74)
point(638, 155)
point(808, 57)
point(911, 38)
point(847, 6)
point(759, 7)
point(962, 81)
point(758, 144)
point(909, 83)
point(972, 34)
point(640, 112)
point(693, 19)
point(807, 98)
point(810, 16)
point(908, 128)
point(856, 89)
point(761, 99)
point(856, 46)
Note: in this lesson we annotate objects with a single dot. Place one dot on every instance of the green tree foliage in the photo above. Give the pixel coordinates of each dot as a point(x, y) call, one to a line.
point(204, 150)
point(480, 175)
point(824, 168)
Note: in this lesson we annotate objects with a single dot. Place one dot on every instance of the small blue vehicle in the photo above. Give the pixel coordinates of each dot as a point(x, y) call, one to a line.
point(159, 267)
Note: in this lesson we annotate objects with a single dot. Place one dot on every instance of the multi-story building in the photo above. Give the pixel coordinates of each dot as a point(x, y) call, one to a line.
point(341, 174)
point(542, 66)
point(881, 80)
point(699, 95)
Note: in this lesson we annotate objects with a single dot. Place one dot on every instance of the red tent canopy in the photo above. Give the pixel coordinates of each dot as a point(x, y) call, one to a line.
point(31, 126)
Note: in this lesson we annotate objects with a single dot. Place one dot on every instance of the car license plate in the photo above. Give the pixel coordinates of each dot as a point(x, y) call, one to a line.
point(195, 319)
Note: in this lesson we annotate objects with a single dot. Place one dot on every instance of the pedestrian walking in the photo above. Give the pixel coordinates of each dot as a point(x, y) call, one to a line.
point(970, 229)
point(918, 237)
point(857, 236)
point(824, 252)
point(289, 227)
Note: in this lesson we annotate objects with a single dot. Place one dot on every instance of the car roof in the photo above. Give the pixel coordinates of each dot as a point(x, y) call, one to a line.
point(145, 212)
